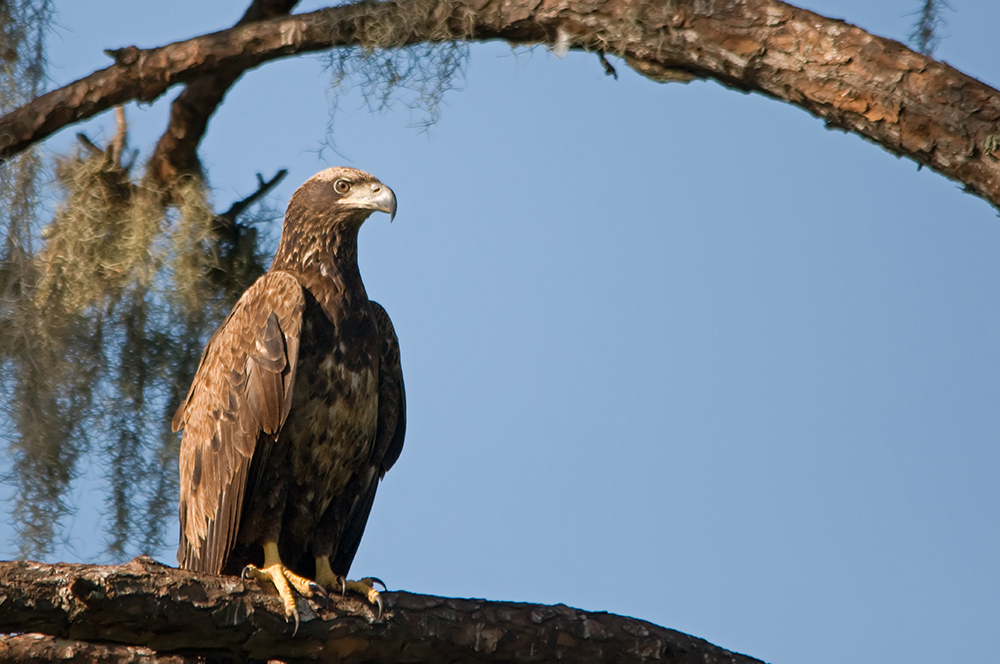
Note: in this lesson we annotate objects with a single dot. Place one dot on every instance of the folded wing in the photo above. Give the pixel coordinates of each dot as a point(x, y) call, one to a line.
point(238, 401)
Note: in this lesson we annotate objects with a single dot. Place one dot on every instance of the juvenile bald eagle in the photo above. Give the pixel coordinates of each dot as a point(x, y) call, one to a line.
point(297, 409)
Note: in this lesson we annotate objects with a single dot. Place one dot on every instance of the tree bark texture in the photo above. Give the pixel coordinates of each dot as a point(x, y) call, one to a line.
point(907, 103)
point(145, 609)
point(34, 648)
point(176, 152)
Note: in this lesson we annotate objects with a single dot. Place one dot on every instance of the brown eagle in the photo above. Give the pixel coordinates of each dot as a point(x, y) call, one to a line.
point(297, 409)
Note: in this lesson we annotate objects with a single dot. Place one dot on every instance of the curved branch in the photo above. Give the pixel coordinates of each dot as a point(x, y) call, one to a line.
point(228, 218)
point(176, 152)
point(145, 605)
point(906, 102)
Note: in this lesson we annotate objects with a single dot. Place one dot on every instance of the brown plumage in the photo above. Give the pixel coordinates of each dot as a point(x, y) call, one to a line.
point(297, 409)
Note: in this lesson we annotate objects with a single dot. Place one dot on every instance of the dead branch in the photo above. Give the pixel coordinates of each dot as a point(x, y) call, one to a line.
point(228, 218)
point(121, 137)
point(88, 144)
point(144, 608)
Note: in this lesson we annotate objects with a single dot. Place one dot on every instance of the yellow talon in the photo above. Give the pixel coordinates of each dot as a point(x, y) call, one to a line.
point(365, 587)
point(284, 580)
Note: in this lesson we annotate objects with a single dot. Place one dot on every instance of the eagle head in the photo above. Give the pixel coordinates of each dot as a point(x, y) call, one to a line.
point(327, 211)
point(346, 194)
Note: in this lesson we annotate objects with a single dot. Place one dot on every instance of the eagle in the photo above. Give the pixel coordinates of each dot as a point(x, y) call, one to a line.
point(297, 409)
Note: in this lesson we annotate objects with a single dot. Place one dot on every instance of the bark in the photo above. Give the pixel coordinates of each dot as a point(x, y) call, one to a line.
point(33, 648)
point(144, 609)
point(176, 152)
point(907, 103)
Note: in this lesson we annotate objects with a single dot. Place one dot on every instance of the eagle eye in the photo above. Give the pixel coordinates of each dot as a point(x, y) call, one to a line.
point(342, 186)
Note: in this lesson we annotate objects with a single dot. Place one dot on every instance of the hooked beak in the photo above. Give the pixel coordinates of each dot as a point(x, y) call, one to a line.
point(378, 197)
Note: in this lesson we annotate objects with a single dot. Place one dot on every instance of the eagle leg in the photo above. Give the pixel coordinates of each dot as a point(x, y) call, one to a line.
point(284, 580)
point(365, 587)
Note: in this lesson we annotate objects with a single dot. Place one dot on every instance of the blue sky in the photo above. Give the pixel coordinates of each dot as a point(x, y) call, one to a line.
point(671, 351)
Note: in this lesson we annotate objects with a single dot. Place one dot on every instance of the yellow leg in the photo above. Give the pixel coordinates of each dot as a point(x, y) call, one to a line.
point(325, 576)
point(284, 580)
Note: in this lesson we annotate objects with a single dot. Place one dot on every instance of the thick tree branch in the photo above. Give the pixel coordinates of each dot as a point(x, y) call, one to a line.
point(34, 648)
point(176, 152)
point(150, 608)
point(906, 102)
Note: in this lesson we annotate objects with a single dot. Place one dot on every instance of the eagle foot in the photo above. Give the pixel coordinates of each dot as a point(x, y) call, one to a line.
point(366, 588)
point(284, 580)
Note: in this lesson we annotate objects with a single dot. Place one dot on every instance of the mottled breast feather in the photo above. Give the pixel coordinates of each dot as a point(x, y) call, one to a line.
point(238, 401)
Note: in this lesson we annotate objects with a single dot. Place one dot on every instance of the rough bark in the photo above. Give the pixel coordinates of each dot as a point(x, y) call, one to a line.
point(176, 152)
point(33, 648)
point(906, 102)
point(144, 609)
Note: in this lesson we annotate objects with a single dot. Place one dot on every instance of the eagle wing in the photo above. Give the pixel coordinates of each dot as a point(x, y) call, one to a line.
point(391, 395)
point(391, 429)
point(240, 395)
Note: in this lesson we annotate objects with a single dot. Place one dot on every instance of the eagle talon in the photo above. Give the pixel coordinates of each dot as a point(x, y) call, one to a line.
point(316, 590)
point(372, 580)
point(279, 576)
point(365, 588)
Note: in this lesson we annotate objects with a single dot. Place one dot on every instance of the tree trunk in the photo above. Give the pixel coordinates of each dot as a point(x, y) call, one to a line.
point(144, 609)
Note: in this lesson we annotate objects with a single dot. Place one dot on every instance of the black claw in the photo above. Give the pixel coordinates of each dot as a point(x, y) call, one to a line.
point(343, 586)
point(319, 593)
point(378, 603)
point(374, 580)
point(246, 572)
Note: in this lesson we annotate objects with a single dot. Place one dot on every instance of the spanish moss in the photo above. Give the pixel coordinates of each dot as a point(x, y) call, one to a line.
point(926, 33)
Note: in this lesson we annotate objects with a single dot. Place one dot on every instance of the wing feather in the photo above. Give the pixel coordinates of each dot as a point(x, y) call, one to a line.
point(240, 397)
point(391, 395)
point(389, 435)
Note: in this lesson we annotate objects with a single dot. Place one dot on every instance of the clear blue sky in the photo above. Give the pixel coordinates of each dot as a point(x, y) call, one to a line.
point(671, 351)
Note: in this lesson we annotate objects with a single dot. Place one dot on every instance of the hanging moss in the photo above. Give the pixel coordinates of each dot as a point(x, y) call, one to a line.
point(105, 310)
point(105, 324)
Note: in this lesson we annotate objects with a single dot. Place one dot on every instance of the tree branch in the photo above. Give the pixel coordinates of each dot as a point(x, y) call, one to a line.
point(34, 648)
point(176, 152)
point(150, 608)
point(228, 218)
point(907, 103)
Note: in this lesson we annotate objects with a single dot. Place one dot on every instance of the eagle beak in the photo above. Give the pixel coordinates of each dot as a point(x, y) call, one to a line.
point(383, 200)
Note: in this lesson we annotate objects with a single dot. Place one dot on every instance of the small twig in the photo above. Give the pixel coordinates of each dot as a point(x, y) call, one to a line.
point(88, 144)
point(131, 162)
point(121, 136)
point(228, 217)
point(609, 70)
